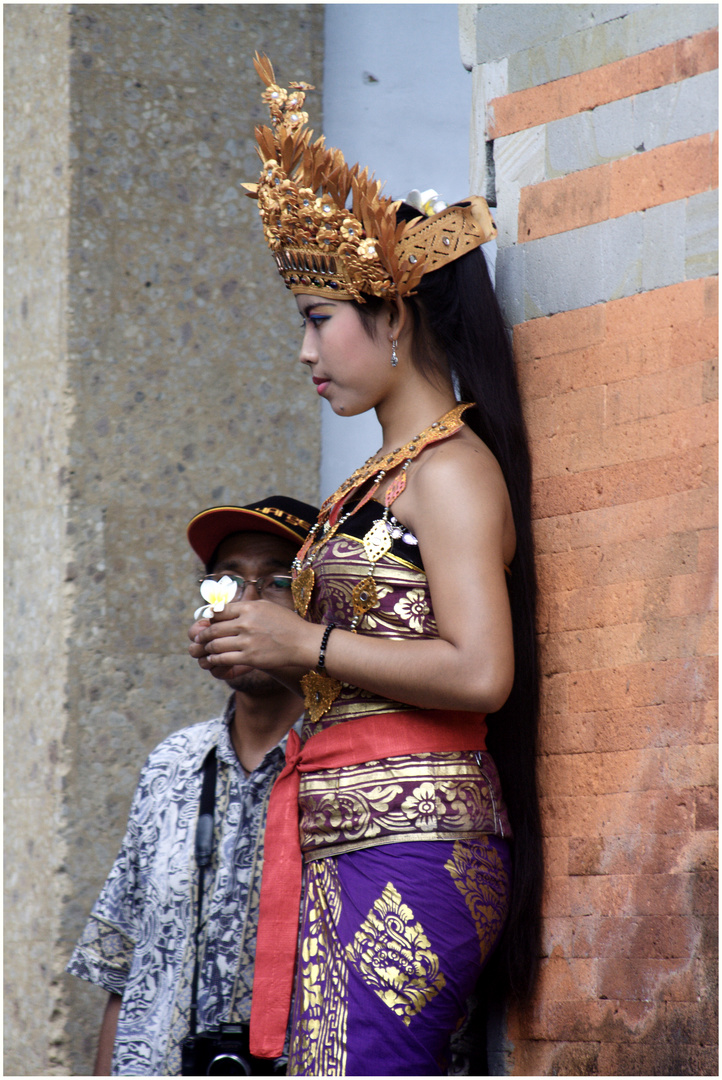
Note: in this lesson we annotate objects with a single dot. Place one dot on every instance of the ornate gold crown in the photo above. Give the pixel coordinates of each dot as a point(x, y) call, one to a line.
point(323, 247)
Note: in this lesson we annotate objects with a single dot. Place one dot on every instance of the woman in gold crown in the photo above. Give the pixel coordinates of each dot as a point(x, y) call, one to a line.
point(415, 600)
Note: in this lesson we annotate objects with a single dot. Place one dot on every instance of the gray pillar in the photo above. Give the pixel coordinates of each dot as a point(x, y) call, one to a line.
point(37, 600)
point(151, 353)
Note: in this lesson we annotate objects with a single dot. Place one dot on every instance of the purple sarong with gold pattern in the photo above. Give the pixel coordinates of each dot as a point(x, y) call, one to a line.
point(395, 929)
point(393, 940)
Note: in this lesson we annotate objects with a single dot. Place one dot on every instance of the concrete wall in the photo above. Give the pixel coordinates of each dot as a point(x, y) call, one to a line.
point(38, 602)
point(397, 99)
point(151, 354)
point(602, 122)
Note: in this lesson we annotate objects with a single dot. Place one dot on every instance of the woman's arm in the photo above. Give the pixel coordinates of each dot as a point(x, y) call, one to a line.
point(457, 506)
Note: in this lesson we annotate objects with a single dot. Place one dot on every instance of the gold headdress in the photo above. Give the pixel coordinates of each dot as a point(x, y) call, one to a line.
point(320, 245)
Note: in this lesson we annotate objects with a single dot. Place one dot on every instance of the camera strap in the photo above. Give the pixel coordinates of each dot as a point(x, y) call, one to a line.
point(204, 851)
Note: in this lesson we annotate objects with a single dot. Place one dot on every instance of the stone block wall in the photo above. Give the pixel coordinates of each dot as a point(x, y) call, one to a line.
point(601, 122)
point(36, 462)
point(152, 371)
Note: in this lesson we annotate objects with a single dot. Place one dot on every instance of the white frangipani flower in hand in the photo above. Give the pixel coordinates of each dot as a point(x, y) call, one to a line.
point(216, 594)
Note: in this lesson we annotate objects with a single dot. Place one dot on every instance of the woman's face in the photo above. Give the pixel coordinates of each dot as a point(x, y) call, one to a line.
point(351, 369)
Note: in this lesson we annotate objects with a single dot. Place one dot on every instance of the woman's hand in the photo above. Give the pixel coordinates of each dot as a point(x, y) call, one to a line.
point(197, 650)
point(218, 671)
point(256, 634)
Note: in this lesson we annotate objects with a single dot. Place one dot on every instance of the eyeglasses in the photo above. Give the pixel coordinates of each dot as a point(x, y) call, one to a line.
point(271, 587)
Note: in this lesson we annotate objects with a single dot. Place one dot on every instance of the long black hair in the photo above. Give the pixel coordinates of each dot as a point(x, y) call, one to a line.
point(458, 328)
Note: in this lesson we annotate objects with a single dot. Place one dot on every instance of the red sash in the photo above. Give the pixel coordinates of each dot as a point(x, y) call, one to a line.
point(350, 743)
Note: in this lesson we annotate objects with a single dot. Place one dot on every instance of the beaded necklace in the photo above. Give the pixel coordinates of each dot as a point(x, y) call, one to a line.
point(320, 690)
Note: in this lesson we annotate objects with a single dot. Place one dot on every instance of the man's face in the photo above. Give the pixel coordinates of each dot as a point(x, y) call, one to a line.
point(254, 555)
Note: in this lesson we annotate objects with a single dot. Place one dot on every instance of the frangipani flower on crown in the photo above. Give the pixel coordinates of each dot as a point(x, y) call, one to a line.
point(216, 594)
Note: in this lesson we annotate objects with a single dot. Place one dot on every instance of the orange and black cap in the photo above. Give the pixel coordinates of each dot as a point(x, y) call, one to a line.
point(278, 515)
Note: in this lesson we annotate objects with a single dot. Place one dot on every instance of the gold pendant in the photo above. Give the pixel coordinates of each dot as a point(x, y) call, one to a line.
point(364, 597)
point(319, 694)
point(302, 589)
point(377, 541)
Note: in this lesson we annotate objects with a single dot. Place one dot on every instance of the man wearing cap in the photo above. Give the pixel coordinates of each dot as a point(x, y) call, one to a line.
point(140, 941)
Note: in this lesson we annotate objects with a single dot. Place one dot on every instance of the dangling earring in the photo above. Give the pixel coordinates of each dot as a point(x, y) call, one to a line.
point(394, 354)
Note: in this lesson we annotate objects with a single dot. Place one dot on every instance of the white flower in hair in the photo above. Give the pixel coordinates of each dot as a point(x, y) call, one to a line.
point(216, 594)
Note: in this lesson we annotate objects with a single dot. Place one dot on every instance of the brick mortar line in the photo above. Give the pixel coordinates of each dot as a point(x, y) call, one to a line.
point(604, 307)
point(589, 587)
point(600, 86)
point(581, 355)
point(654, 483)
point(553, 758)
point(630, 185)
point(594, 546)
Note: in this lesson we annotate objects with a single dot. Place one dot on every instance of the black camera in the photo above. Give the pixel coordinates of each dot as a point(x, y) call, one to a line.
point(224, 1051)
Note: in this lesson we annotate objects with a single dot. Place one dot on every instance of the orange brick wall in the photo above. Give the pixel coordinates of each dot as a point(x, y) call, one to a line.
point(620, 398)
point(609, 191)
point(587, 90)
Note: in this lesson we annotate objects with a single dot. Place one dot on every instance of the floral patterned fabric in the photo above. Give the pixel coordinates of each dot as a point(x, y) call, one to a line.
point(437, 797)
point(138, 941)
point(440, 796)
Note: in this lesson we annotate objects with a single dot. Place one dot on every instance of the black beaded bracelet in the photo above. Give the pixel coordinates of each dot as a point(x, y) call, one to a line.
point(324, 642)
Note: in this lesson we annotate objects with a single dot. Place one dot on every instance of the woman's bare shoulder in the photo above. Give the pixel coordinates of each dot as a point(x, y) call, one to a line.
point(460, 461)
point(459, 481)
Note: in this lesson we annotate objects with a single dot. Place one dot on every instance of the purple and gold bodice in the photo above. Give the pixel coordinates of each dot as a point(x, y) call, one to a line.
point(417, 797)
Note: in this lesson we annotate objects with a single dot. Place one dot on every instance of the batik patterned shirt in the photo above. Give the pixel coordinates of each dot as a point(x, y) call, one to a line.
point(139, 939)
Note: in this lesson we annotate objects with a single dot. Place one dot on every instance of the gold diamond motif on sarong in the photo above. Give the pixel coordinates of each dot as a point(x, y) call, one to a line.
point(393, 956)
